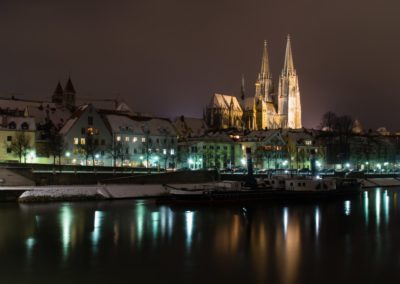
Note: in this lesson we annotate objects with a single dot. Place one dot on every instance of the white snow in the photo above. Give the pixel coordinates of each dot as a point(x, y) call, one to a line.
point(52, 193)
point(155, 126)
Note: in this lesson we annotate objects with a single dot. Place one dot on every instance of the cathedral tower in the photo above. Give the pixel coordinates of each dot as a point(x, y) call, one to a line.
point(289, 106)
point(264, 87)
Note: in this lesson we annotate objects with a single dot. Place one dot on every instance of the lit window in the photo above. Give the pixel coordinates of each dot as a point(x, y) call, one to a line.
point(165, 151)
point(76, 141)
point(134, 139)
point(126, 139)
point(143, 139)
point(172, 151)
point(83, 141)
point(308, 142)
point(118, 138)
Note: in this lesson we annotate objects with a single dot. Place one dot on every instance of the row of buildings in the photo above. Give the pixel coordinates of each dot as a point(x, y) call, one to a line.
point(68, 131)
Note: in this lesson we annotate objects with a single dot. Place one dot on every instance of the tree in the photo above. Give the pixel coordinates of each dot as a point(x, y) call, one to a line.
point(328, 121)
point(21, 145)
point(89, 148)
point(56, 146)
point(118, 151)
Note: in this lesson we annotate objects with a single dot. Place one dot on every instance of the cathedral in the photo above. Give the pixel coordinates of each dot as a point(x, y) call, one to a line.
point(267, 109)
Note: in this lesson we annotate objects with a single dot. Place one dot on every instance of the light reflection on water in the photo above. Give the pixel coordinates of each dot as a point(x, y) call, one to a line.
point(271, 242)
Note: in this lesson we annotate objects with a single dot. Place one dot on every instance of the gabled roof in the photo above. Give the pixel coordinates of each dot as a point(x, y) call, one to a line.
point(74, 118)
point(190, 126)
point(224, 102)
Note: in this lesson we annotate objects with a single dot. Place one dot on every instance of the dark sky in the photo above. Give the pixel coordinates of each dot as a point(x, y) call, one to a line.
point(168, 57)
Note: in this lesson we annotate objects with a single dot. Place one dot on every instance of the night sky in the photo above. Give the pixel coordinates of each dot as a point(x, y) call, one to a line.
point(168, 57)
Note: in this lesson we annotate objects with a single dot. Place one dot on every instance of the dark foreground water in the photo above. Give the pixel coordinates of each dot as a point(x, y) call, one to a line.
point(131, 241)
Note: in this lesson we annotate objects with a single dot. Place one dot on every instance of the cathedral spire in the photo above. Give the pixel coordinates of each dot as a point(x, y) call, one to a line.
point(265, 72)
point(288, 67)
point(242, 89)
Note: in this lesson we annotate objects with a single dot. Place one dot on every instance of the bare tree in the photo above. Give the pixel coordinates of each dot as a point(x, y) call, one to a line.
point(21, 145)
point(328, 121)
point(56, 147)
point(89, 148)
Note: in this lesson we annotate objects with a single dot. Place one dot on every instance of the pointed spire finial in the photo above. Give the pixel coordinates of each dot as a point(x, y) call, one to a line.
point(288, 67)
point(265, 62)
point(69, 87)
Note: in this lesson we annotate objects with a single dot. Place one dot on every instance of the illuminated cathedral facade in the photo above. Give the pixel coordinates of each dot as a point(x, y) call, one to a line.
point(267, 109)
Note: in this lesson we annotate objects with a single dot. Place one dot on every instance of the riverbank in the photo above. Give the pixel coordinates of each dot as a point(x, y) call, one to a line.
point(92, 192)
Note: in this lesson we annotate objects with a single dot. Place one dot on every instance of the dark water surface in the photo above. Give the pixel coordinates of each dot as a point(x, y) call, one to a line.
point(136, 241)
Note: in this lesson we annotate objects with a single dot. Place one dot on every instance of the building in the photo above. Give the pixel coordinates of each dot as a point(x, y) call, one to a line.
point(267, 109)
point(211, 150)
point(66, 96)
point(224, 112)
point(17, 135)
point(142, 141)
point(268, 148)
point(87, 138)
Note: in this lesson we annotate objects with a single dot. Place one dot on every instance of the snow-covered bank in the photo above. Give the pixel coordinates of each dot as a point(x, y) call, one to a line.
point(95, 192)
point(381, 182)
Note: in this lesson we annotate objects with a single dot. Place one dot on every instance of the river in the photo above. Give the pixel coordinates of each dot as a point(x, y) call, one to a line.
point(138, 241)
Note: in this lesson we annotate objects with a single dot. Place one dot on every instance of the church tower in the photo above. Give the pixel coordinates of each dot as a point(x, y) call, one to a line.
point(69, 94)
point(264, 87)
point(58, 94)
point(289, 106)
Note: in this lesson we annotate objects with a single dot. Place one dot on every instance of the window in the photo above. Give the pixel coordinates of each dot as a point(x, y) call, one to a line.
point(102, 153)
point(96, 142)
point(127, 151)
point(134, 139)
point(83, 141)
point(217, 147)
point(165, 151)
point(76, 141)
point(12, 125)
point(204, 147)
point(25, 126)
point(9, 138)
point(126, 139)
point(172, 151)
point(8, 150)
point(158, 141)
point(308, 142)
point(143, 139)
point(103, 142)
point(134, 151)
point(118, 138)
point(83, 131)
point(90, 120)
point(225, 147)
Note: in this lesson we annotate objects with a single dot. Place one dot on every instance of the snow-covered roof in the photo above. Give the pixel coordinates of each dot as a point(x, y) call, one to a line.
point(190, 126)
point(74, 118)
point(260, 135)
point(40, 110)
point(215, 137)
point(224, 101)
point(139, 126)
point(18, 120)
point(299, 136)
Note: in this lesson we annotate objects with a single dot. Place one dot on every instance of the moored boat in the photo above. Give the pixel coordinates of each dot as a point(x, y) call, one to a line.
point(233, 191)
